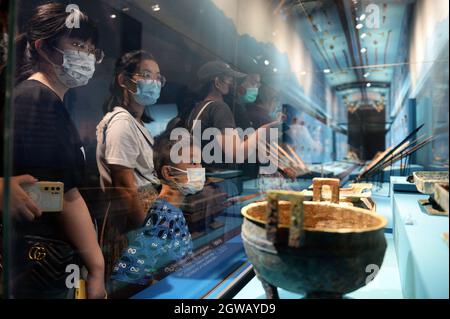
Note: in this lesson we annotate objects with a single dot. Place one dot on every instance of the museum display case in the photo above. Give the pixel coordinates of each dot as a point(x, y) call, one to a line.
point(319, 168)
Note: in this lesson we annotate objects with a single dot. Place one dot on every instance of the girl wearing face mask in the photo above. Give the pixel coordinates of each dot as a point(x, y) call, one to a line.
point(164, 236)
point(53, 59)
point(125, 148)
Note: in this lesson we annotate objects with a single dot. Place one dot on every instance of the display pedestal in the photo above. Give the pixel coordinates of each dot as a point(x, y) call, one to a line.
point(422, 254)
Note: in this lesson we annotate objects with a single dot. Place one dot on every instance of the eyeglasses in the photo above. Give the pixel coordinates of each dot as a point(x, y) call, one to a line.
point(146, 75)
point(98, 54)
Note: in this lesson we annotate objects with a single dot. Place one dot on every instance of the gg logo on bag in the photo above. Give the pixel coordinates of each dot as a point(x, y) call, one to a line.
point(37, 253)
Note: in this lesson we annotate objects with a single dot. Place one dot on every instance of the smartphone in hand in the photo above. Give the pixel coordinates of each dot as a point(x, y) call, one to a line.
point(48, 196)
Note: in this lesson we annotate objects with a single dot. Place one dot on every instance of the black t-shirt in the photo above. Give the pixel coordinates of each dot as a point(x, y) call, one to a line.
point(241, 117)
point(48, 147)
point(216, 115)
point(46, 141)
point(258, 116)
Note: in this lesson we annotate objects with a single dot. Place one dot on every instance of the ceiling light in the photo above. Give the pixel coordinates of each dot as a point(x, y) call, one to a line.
point(363, 35)
point(362, 17)
point(363, 50)
point(369, 85)
point(113, 16)
point(366, 75)
point(266, 62)
point(359, 26)
point(326, 71)
point(275, 70)
point(156, 7)
point(125, 9)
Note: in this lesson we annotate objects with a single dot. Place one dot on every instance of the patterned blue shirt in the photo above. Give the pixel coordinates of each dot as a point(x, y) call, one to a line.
point(163, 238)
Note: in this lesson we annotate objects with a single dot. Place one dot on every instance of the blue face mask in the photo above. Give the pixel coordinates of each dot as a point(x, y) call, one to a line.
point(148, 92)
point(250, 95)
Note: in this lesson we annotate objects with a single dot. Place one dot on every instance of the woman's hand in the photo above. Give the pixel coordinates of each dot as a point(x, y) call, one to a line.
point(96, 286)
point(22, 207)
point(281, 117)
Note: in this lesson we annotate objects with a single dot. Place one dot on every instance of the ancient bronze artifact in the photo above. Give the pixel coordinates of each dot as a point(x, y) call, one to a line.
point(315, 248)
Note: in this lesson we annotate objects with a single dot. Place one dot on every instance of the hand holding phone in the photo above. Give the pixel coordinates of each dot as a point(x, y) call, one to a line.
point(48, 196)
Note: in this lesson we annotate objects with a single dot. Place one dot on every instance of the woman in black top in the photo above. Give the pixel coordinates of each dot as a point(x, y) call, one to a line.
point(47, 146)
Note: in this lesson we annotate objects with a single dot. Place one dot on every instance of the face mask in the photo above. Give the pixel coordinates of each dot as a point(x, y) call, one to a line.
point(196, 181)
point(148, 92)
point(250, 95)
point(77, 68)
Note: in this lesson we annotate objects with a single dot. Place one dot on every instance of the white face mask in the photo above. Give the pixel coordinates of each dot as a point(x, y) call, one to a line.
point(196, 181)
point(77, 69)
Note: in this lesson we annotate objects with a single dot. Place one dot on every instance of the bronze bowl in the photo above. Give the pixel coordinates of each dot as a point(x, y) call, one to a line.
point(337, 252)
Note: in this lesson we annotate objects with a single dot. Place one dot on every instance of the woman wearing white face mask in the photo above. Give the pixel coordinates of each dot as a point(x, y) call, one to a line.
point(164, 236)
point(47, 145)
point(125, 148)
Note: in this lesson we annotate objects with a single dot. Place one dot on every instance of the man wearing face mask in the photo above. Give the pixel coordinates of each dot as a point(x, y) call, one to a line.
point(164, 236)
point(247, 94)
point(266, 108)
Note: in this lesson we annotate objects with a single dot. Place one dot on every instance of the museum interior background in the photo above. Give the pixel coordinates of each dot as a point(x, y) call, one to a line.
point(360, 75)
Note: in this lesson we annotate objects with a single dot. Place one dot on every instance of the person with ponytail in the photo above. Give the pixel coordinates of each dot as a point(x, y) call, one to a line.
point(52, 58)
point(125, 149)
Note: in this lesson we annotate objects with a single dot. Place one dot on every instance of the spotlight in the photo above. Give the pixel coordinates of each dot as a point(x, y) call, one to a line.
point(359, 26)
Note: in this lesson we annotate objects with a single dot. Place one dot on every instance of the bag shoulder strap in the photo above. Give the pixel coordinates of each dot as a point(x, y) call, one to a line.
point(200, 114)
point(145, 136)
point(105, 128)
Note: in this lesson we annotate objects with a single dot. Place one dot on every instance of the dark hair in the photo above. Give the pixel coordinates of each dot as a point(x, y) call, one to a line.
point(49, 23)
point(161, 149)
point(127, 65)
point(267, 94)
point(205, 89)
point(187, 99)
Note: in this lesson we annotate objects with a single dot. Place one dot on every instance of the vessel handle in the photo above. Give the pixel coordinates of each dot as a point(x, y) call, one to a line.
point(296, 228)
point(318, 184)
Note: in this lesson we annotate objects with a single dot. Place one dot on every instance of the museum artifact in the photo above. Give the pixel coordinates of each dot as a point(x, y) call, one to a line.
point(434, 184)
point(315, 248)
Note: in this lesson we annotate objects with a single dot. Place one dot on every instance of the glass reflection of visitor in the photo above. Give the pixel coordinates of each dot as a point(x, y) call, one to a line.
point(304, 144)
point(164, 237)
point(125, 149)
point(53, 59)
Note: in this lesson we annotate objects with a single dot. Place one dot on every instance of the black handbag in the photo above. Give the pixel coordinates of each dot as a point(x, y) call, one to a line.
point(44, 266)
